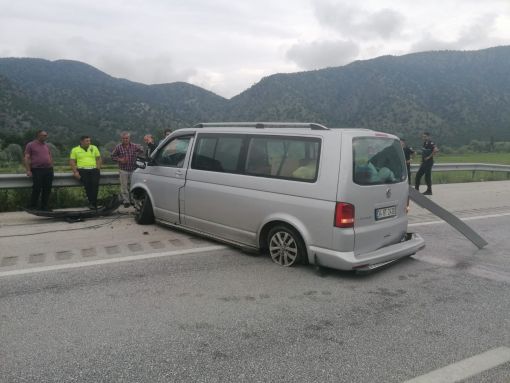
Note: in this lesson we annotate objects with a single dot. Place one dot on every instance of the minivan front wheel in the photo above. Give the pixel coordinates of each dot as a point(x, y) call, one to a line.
point(144, 213)
point(285, 245)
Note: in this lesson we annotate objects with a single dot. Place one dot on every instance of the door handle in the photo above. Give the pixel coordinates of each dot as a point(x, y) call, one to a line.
point(179, 173)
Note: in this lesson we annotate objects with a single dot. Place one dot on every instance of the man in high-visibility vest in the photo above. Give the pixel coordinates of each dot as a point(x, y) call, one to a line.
point(85, 161)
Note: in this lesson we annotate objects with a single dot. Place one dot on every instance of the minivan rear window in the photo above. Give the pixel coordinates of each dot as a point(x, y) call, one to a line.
point(378, 160)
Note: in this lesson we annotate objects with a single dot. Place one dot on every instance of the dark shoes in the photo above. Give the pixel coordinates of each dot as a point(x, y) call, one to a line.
point(127, 204)
point(426, 192)
point(92, 206)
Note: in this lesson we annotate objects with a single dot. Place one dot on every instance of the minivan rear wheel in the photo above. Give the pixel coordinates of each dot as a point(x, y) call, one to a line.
point(285, 246)
point(144, 213)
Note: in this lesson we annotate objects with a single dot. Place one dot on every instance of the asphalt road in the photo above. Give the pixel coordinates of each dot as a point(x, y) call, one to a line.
point(227, 316)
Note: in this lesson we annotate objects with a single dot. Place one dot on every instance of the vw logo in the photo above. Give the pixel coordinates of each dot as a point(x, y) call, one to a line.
point(388, 193)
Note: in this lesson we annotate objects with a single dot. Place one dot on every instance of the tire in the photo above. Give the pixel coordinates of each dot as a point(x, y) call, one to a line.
point(285, 246)
point(144, 213)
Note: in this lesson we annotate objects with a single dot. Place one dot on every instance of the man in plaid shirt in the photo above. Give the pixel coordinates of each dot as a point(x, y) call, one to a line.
point(125, 155)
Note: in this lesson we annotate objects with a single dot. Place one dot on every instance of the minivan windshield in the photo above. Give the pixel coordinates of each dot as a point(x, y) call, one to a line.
point(378, 160)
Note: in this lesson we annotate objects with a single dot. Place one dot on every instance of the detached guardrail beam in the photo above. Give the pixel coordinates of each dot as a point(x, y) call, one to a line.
point(448, 217)
point(18, 181)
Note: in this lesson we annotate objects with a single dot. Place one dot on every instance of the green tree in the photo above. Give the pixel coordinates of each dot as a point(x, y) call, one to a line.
point(14, 153)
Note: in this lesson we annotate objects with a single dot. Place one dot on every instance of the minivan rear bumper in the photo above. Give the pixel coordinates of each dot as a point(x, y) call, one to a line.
point(348, 261)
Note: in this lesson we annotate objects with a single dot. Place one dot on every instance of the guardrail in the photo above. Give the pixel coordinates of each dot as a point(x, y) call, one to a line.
point(446, 167)
point(16, 181)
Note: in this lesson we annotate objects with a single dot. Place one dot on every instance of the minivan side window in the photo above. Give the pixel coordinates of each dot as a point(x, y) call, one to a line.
point(295, 158)
point(377, 161)
point(173, 153)
point(219, 153)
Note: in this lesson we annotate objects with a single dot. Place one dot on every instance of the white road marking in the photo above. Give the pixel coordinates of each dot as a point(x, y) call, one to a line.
point(466, 368)
point(128, 258)
point(463, 219)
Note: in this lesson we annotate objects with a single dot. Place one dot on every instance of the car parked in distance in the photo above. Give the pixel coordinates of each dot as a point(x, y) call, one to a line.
point(299, 191)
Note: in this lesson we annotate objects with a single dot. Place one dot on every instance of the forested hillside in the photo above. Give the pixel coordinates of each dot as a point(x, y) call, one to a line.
point(78, 98)
point(457, 96)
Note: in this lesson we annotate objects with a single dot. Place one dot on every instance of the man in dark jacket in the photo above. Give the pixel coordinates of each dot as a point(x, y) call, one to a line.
point(151, 145)
point(428, 151)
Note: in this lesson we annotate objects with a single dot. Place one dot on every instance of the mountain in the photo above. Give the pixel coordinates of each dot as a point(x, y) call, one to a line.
point(79, 99)
point(457, 96)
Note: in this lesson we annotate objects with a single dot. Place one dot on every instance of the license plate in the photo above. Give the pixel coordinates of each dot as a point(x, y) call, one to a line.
point(385, 212)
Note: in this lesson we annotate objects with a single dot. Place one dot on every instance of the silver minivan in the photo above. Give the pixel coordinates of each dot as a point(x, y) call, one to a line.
point(301, 192)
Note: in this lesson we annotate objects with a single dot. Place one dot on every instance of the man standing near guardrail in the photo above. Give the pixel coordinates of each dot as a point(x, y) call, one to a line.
point(427, 161)
point(125, 155)
point(85, 161)
point(39, 166)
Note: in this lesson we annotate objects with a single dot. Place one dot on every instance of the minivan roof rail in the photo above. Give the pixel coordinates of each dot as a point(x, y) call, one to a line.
point(262, 125)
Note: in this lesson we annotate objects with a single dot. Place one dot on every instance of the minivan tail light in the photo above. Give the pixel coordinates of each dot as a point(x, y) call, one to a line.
point(344, 215)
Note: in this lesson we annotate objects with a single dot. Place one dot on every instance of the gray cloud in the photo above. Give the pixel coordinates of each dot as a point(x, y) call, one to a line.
point(118, 61)
point(474, 36)
point(322, 54)
point(385, 23)
point(149, 70)
point(355, 22)
point(228, 45)
point(479, 33)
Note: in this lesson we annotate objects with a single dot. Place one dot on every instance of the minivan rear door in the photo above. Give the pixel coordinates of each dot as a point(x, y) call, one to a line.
point(379, 191)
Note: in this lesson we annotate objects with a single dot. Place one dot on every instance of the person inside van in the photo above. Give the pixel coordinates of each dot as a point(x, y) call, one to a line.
point(306, 171)
point(386, 175)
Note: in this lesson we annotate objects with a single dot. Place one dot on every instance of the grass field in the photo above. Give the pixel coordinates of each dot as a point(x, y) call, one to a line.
point(485, 158)
point(468, 176)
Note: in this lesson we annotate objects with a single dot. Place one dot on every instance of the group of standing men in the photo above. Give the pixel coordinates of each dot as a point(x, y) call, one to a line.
point(85, 161)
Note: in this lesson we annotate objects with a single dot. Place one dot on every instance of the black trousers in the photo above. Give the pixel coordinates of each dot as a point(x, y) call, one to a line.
point(42, 180)
point(408, 173)
point(90, 181)
point(425, 168)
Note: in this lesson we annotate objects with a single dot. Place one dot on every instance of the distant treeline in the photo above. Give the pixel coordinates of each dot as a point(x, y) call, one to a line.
point(12, 147)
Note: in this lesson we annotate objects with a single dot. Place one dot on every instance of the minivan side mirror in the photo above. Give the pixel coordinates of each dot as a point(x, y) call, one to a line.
point(140, 163)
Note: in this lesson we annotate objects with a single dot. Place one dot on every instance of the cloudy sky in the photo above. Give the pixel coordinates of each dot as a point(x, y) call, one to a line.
point(228, 45)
